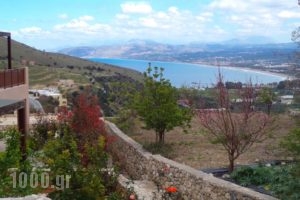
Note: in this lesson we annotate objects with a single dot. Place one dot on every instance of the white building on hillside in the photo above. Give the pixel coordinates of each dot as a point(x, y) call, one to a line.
point(287, 99)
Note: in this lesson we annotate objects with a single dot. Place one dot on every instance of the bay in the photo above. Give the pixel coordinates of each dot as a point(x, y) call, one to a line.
point(190, 74)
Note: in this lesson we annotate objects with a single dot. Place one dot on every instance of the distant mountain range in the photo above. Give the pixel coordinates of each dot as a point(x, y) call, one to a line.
point(231, 52)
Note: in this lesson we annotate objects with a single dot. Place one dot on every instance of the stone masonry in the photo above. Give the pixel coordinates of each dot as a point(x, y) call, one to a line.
point(191, 183)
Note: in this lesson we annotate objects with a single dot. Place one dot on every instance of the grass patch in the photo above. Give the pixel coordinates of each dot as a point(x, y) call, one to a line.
point(166, 150)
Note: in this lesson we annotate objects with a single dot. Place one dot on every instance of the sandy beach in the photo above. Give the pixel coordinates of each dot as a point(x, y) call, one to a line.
point(245, 69)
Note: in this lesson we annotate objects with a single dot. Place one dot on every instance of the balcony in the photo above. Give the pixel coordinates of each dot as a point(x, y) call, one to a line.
point(14, 94)
point(13, 89)
point(12, 77)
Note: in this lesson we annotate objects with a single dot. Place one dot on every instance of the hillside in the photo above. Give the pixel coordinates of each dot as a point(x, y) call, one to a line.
point(47, 67)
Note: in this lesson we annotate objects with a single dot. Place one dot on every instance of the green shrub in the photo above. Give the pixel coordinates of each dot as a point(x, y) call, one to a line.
point(42, 131)
point(292, 142)
point(11, 158)
point(285, 183)
point(87, 181)
point(115, 196)
point(247, 176)
point(281, 181)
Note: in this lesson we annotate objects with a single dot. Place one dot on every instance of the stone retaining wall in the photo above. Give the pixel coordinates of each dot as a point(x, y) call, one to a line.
point(191, 183)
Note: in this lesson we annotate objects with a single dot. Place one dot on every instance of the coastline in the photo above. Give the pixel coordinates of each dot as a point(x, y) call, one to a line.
point(245, 69)
point(281, 76)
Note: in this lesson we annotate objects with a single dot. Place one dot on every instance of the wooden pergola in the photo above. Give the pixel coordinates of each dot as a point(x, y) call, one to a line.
point(12, 78)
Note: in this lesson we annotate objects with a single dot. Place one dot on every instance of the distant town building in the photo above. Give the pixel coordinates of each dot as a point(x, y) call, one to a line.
point(49, 92)
point(27, 62)
point(287, 99)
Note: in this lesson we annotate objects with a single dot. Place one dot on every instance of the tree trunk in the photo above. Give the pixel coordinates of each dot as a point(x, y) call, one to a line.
point(161, 138)
point(269, 105)
point(231, 162)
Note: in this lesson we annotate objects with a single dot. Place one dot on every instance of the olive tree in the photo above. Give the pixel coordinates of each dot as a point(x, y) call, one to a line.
point(267, 96)
point(157, 106)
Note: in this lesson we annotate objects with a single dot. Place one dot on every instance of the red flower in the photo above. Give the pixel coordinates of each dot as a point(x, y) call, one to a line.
point(171, 189)
point(132, 197)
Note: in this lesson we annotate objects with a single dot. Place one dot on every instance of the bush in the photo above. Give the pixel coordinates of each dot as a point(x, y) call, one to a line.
point(281, 181)
point(43, 130)
point(9, 186)
point(12, 156)
point(284, 184)
point(247, 176)
point(87, 181)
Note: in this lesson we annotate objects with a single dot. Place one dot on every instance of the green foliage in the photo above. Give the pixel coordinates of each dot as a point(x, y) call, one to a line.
point(1, 135)
point(61, 155)
point(198, 98)
point(285, 182)
point(115, 196)
point(292, 142)
point(43, 130)
point(120, 95)
point(267, 96)
point(96, 153)
point(247, 176)
point(126, 120)
point(165, 150)
point(281, 181)
point(87, 182)
point(11, 159)
point(157, 104)
point(12, 156)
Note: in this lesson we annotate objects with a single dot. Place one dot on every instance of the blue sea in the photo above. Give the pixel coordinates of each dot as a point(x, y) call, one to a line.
point(195, 74)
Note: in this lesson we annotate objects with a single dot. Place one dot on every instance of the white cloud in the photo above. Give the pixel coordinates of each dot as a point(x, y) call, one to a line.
point(63, 16)
point(136, 7)
point(122, 16)
point(173, 10)
point(255, 17)
point(289, 14)
point(149, 22)
point(86, 18)
point(205, 17)
point(31, 30)
point(218, 21)
point(170, 25)
point(83, 25)
point(236, 5)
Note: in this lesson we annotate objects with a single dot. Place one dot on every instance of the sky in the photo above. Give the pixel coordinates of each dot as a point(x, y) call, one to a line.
point(54, 24)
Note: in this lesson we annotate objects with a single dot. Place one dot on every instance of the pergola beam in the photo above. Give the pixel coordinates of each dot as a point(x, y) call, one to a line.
point(6, 34)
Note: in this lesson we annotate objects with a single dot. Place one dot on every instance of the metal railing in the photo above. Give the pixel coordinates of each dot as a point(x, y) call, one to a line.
point(12, 77)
